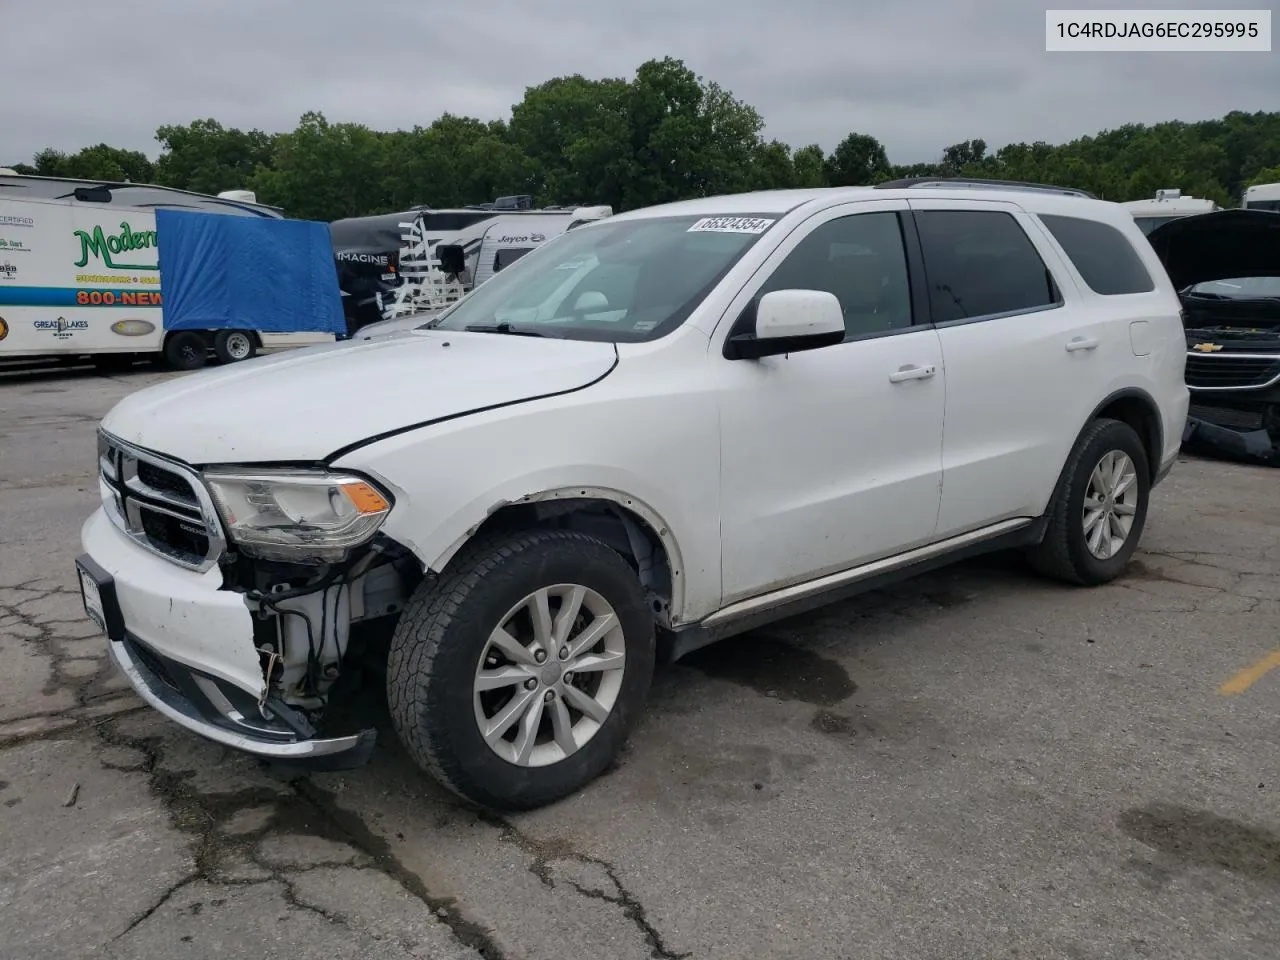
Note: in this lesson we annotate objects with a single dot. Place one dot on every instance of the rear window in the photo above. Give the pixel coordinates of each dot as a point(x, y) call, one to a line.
point(1106, 260)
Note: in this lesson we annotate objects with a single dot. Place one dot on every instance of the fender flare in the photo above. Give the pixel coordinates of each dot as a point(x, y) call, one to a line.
point(652, 518)
point(1145, 398)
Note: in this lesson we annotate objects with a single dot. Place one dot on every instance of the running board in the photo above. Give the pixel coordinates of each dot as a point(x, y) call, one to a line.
point(812, 594)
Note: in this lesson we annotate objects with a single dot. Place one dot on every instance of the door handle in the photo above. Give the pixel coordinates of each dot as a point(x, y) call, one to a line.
point(1081, 343)
point(912, 372)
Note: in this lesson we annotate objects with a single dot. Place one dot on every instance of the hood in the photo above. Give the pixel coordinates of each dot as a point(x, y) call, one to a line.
point(304, 405)
point(1219, 246)
point(400, 325)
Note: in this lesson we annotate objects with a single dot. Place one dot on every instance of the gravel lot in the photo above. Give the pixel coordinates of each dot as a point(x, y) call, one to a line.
point(978, 764)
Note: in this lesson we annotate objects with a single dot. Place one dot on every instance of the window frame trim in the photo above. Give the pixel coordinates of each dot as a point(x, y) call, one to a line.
point(1046, 251)
point(739, 306)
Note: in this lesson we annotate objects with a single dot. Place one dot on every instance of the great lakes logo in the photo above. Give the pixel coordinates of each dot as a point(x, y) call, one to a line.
point(105, 248)
point(62, 328)
point(4, 328)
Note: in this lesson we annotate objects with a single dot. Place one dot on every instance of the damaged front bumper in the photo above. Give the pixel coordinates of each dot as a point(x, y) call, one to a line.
point(187, 648)
point(226, 715)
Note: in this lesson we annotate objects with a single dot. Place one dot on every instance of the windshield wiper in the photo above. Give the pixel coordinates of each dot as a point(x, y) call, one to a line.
point(505, 327)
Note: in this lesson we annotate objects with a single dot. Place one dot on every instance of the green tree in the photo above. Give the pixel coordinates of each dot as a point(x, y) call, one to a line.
point(206, 157)
point(772, 167)
point(811, 166)
point(1265, 175)
point(325, 171)
point(958, 158)
point(577, 136)
point(688, 138)
point(100, 162)
point(858, 160)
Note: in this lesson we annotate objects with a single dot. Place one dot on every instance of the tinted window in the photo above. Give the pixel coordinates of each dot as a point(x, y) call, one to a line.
point(1105, 258)
point(980, 262)
point(859, 258)
point(504, 258)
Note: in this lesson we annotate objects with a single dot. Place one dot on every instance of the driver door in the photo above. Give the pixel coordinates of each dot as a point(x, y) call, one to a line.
point(832, 458)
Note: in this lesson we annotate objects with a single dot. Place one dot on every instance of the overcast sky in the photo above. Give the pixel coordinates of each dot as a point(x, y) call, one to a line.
point(917, 74)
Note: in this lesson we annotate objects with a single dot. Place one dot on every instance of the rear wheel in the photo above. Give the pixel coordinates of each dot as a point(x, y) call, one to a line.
point(516, 678)
point(186, 351)
point(1099, 509)
point(230, 346)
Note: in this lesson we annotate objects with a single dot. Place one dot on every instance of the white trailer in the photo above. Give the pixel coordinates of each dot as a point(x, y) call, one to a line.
point(1262, 196)
point(80, 277)
point(1165, 206)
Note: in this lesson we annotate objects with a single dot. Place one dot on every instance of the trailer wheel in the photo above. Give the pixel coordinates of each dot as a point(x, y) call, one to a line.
point(186, 351)
point(232, 345)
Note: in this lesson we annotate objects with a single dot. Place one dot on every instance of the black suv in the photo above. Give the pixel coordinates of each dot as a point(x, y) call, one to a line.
point(1226, 268)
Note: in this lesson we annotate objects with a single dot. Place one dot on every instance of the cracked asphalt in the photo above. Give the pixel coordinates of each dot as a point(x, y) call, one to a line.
point(976, 764)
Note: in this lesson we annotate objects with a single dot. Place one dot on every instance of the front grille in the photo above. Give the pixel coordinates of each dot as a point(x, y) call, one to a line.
point(159, 504)
point(1227, 417)
point(1219, 371)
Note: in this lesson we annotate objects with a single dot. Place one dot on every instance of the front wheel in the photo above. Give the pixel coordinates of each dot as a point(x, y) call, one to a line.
point(1099, 509)
point(185, 351)
point(515, 678)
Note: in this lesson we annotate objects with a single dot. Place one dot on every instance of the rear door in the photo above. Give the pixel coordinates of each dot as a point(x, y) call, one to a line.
point(1025, 361)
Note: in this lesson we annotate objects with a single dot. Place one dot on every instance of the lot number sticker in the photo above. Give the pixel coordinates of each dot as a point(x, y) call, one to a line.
point(731, 225)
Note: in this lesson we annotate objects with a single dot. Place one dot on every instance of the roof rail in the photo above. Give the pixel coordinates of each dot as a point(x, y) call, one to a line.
point(908, 182)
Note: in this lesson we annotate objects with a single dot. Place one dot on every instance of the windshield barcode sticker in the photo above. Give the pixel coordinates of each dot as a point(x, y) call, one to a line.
point(731, 225)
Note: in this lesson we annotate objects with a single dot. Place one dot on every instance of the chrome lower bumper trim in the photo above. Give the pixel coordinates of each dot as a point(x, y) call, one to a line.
point(182, 711)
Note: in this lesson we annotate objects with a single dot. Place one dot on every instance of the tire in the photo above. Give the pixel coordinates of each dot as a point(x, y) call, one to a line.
point(1065, 553)
point(232, 346)
point(185, 351)
point(444, 631)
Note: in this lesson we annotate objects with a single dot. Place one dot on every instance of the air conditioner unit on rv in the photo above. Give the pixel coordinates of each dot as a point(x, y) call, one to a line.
point(241, 196)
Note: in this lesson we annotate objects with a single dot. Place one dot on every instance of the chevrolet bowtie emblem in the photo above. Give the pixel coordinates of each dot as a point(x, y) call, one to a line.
point(1207, 347)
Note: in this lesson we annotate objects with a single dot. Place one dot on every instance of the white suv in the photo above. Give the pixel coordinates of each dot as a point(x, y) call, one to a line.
point(649, 434)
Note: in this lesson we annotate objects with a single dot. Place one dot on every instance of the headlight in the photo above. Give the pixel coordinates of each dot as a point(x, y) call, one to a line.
point(297, 515)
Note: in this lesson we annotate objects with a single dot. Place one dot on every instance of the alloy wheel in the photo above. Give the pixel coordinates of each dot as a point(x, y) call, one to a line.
point(549, 675)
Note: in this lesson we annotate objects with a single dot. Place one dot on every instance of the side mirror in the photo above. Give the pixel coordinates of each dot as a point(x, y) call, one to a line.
point(591, 301)
point(787, 321)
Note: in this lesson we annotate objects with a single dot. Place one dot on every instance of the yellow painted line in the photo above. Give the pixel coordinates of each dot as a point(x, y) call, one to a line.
point(1247, 677)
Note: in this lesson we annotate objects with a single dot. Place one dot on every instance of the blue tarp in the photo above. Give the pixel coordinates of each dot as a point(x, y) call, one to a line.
point(221, 272)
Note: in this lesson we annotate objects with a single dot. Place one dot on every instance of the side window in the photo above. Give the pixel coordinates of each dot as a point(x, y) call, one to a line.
point(861, 259)
point(1106, 260)
point(980, 262)
point(508, 256)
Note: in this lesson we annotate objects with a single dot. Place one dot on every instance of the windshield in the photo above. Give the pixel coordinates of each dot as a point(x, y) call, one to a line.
point(617, 281)
point(1263, 205)
point(1240, 288)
